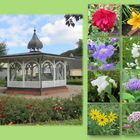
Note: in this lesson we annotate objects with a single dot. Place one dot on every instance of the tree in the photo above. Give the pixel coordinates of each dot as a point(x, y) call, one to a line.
point(74, 52)
point(2, 48)
point(69, 19)
point(2, 51)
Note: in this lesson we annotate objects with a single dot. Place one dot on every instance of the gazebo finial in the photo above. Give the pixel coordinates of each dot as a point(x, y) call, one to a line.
point(35, 44)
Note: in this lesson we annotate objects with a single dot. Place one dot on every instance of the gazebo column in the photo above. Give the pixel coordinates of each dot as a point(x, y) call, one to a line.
point(54, 73)
point(65, 72)
point(23, 74)
point(40, 76)
point(8, 73)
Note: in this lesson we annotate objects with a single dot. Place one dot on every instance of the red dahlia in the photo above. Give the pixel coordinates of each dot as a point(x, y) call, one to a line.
point(104, 19)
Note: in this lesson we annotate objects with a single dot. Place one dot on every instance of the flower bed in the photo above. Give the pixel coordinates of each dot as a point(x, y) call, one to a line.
point(15, 110)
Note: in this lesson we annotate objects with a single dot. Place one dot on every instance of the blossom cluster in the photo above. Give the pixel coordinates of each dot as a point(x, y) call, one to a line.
point(101, 118)
point(101, 53)
point(136, 55)
point(133, 84)
point(134, 117)
point(102, 82)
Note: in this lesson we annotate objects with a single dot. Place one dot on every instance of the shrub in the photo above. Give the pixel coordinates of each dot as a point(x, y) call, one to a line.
point(21, 111)
point(2, 83)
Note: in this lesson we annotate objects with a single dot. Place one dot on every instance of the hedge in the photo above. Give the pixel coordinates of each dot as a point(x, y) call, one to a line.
point(17, 110)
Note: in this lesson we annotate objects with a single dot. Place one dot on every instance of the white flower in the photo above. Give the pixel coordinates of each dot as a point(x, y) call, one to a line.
point(132, 64)
point(137, 67)
point(113, 82)
point(136, 61)
point(135, 50)
point(101, 82)
point(128, 64)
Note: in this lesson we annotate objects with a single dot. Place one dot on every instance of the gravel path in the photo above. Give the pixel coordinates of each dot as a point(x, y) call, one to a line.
point(73, 90)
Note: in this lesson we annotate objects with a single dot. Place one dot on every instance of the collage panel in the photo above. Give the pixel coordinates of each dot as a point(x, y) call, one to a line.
point(131, 119)
point(104, 53)
point(104, 86)
point(131, 20)
point(131, 53)
point(103, 119)
point(103, 20)
point(131, 86)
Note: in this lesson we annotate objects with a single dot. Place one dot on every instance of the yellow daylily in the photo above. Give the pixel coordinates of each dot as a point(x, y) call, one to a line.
point(134, 21)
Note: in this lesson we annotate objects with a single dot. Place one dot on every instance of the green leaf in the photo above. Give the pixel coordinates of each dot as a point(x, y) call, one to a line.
point(128, 97)
point(112, 98)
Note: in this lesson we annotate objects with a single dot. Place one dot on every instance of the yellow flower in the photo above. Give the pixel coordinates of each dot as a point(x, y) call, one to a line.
point(102, 120)
point(112, 117)
point(134, 20)
point(94, 113)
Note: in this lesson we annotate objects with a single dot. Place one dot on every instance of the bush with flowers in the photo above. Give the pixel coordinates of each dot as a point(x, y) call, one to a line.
point(103, 54)
point(131, 53)
point(17, 110)
point(103, 19)
point(103, 86)
point(131, 119)
point(131, 86)
point(103, 119)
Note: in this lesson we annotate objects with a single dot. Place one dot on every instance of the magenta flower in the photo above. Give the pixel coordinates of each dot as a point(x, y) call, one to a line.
point(133, 84)
point(106, 67)
point(103, 52)
point(126, 126)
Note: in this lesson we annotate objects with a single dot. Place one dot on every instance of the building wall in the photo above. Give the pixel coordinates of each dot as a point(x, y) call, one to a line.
point(75, 72)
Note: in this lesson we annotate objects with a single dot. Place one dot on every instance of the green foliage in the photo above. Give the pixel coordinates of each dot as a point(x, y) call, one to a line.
point(127, 109)
point(22, 111)
point(110, 94)
point(109, 129)
point(127, 95)
point(3, 83)
point(74, 81)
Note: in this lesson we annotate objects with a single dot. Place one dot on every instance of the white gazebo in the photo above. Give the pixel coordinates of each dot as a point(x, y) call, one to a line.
point(35, 71)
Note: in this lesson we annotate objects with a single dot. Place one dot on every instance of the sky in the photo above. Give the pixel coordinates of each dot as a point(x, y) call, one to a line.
point(17, 30)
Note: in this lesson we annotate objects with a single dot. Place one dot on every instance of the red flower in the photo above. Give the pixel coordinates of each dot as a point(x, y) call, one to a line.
point(28, 106)
point(104, 19)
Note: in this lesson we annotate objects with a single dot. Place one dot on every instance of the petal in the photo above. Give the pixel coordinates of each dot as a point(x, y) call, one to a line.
point(131, 21)
point(134, 14)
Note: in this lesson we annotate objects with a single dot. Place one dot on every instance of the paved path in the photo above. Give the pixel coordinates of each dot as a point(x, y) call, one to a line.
point(72, 91)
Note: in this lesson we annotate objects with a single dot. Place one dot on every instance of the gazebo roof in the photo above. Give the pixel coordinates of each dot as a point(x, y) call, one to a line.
point(34, 54)
point(35, 43)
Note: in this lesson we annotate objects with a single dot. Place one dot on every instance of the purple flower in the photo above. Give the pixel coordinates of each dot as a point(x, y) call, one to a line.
point(91, 45)
point(114, 40)
point(126, 126)
point(91, 68)
point(103, 52)
point(106, 67)
point(133, 84)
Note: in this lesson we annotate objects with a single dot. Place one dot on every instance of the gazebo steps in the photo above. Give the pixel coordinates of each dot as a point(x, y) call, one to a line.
point(36, 92)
